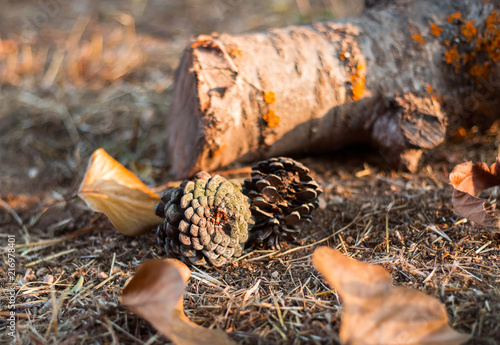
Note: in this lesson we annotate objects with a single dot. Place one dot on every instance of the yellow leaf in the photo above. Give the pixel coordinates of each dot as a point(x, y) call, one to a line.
point(376, 312)
point(156, 294)
point(110, 188)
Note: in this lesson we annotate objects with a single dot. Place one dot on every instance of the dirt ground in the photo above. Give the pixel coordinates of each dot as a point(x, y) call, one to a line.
point(90, 74)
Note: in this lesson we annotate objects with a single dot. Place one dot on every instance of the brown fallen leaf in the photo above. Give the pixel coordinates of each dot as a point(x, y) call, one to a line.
point(468, 180)
point(110, 188)
point(377, 313)
point(155, 294)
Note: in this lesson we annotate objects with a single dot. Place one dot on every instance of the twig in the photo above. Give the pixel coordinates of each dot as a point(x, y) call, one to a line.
point(53, 256)
point(72, 340)
point(320, 241)
point(387, 232)
point(6, 314)
point(308, 245)
point(98, 286)
point(112, 264)
point(14, 214)
point(85, 230)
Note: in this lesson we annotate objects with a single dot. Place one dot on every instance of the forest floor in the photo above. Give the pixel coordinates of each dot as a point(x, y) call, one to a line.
point(100, 75)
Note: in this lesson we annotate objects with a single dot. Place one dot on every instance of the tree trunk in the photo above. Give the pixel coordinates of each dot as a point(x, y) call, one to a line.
point(390, 77)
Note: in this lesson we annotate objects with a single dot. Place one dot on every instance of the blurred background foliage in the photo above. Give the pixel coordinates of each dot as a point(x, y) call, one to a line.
point(79, 75)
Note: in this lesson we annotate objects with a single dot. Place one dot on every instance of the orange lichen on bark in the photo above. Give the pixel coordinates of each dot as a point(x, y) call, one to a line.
point(468, 57)
point(436, 30)
point(235, 52)
point(484, 51)
point(491, 40)
point(358, 82)
point(469, 30)
point(454, 16)
point(201, 40)
point(358, 88)
point(269, 97)
point(429, 88)
point(218, 152)
point(451, 55)
point(480, 71)
point(494, 49)
point(493, 19)
point(419, 39)
point(272, 119)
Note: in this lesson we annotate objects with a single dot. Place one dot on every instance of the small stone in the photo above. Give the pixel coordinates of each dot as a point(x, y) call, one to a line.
point(29, 276)
point(48, 279)
point(40, 272)
point(116, 269)
point(102, 275)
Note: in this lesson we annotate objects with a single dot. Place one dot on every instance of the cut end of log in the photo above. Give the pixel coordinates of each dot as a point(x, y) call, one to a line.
point(184, 119)
point(407, 127)
point(206, 124)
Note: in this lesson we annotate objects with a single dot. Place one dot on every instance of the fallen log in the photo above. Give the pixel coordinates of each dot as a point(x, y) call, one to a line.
point(396, 77)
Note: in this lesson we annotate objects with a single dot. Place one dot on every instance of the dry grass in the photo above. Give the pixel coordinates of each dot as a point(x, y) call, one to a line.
point(106, 83)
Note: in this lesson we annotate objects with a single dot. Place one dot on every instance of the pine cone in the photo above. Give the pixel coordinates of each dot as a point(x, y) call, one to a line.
point(206, 221)
point(283, 196)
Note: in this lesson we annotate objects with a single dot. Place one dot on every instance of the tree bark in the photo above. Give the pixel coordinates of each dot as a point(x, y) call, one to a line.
point(396, 77)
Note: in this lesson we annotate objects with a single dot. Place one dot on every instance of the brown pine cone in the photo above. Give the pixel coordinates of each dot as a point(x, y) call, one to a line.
point(206, 221)
point(283, 195)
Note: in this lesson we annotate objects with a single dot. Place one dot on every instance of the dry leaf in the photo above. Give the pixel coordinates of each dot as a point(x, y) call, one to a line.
point(110, 188)
point(469, 179)
point(155, 294)
point(377, 313)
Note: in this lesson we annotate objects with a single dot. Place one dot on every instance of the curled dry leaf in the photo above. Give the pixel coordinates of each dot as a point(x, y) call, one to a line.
point(469, 179)
point(377, 313)
point(155, 294)
point(110, 188)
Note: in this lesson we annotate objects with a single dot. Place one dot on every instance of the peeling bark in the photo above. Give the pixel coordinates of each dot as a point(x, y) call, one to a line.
point(383, 78)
